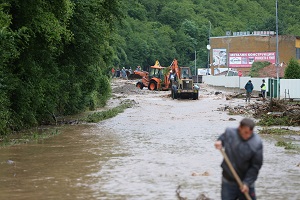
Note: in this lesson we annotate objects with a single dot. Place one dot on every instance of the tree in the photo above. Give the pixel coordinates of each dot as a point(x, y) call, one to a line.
point(293, 70)
point(54, 58)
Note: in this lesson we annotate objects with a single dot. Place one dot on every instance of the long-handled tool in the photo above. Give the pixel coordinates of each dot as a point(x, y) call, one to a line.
point(236, 176)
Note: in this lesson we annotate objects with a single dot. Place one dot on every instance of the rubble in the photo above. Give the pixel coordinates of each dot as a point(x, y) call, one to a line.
point(274, 108)
point(128, 89)
point(201, 174)
point(179, 197)
point(235, 95)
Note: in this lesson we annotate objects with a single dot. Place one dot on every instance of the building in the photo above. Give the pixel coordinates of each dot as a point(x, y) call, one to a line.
point(245, 48)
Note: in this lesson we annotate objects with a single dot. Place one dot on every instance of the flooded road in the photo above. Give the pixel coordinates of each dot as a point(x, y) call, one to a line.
point(144, 153)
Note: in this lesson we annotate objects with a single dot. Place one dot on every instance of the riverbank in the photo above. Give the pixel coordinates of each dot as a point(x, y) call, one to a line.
point(115, 105)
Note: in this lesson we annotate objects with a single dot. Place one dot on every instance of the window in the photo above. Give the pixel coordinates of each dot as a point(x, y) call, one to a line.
point(298, 53)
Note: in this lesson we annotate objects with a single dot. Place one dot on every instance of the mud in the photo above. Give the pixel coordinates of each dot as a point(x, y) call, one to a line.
point(144, 153)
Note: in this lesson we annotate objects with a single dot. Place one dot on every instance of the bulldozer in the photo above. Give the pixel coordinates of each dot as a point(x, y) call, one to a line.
point(182, 82)
point(156, 79)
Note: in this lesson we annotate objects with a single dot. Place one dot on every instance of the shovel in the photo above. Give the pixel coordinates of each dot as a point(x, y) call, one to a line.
point(236, 176)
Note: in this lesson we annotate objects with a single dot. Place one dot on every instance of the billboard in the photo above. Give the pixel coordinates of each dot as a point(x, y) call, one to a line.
point(247, 59)
point(219, 57)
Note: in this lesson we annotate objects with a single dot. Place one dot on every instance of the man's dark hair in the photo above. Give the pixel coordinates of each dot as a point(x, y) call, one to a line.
point(246, 122)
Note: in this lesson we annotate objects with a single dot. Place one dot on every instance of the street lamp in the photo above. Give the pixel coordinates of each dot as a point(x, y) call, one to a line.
point(195, 62)
point(228, 40)
point(208, 46)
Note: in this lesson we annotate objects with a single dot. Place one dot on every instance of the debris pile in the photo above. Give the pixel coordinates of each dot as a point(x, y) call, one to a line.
point(235, 95)
point(179, 197)
point(127, 89)
point(201, 174)
point(274, 108)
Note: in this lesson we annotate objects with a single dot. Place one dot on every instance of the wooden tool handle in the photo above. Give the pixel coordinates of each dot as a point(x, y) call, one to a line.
point(236, 176)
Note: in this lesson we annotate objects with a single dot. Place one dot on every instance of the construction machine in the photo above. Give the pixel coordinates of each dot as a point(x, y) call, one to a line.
point(182, 83)
point(156, 79)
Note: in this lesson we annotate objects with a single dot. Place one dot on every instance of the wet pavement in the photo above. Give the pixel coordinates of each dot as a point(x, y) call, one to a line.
point(144, 153)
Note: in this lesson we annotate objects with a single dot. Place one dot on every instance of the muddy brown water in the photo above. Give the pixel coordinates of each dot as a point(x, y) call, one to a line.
point(143, 153)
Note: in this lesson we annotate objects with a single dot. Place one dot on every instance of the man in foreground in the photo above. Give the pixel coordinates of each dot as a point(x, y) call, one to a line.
point(245, 151)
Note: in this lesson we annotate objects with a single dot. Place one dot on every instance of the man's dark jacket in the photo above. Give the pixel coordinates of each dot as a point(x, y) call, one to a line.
point(249, 87)
point(246, 156)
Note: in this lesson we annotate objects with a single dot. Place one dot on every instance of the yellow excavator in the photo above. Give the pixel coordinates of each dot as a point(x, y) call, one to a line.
point(178, 79)
point(156, 79)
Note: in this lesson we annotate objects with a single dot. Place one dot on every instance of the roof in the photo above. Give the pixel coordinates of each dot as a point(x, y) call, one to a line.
point(271, 71)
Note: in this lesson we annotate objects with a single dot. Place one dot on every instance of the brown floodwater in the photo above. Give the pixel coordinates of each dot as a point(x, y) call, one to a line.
point(144, 153)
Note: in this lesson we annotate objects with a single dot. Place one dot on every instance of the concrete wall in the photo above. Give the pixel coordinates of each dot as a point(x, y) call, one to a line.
point(233, 81)
point(291, 86)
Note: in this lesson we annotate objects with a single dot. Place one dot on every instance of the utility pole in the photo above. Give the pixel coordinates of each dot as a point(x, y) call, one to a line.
point(195, 62)
point(208, 46)
point(227, 53)
point(277, 51)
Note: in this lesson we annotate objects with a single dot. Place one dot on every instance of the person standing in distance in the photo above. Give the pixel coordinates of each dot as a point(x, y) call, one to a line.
point(263, 89)
point(244, 149)
point(249, 88)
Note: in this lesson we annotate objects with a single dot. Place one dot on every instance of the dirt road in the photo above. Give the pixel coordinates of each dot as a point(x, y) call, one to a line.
point(144, 153)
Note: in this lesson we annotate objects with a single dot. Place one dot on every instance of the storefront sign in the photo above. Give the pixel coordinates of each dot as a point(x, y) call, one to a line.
point(247, 59)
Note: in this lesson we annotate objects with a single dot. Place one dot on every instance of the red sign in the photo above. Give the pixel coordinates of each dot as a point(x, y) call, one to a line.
point(240, 73)
point(247, 59)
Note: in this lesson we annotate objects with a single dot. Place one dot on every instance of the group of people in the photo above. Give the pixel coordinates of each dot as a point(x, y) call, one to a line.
point(121, 73)
point(249, 89)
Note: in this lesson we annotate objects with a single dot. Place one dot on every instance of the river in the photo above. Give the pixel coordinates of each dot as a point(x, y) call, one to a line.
point(144, 153)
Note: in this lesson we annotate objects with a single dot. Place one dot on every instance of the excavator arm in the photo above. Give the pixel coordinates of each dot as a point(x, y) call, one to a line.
point(175, 69)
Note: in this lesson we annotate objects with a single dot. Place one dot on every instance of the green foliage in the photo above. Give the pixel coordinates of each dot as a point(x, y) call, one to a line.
point(28, 137)
point(269, 120)
point(278, 131)
point(103, 115)
point(286, 145)
point(256, 67)
point(164, 30)
point(293, 70)
point(54, 57)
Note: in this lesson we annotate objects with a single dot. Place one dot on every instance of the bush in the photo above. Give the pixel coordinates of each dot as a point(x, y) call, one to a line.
point(293, 70)
point(269, 120)
point(103, 115)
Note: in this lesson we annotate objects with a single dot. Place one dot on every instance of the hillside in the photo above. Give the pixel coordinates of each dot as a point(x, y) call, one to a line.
point(167, 29)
